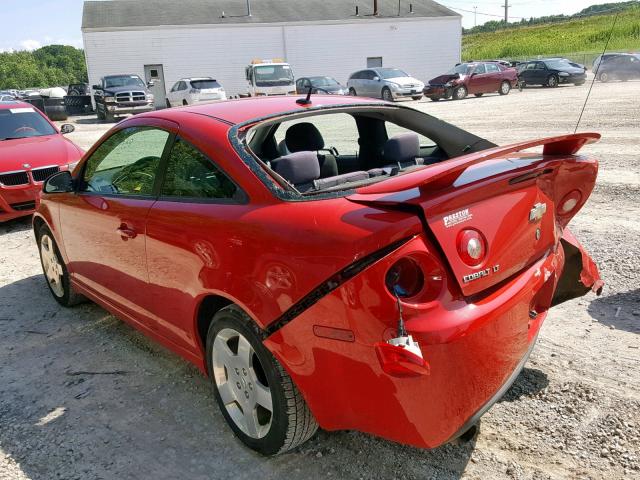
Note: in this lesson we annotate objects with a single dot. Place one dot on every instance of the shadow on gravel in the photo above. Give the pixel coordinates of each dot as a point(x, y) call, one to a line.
point(621, 311)
point(83, 395)
point(529, 382)
point(16, 225)
point(88, 121)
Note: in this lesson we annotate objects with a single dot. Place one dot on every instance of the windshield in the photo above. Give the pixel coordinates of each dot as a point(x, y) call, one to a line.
point(324, 82)
point(204, 84)
point(558, 64)
point(273, 75)
point(23, 122)
point(462, 69)
point(124, 81)
point(391, 73)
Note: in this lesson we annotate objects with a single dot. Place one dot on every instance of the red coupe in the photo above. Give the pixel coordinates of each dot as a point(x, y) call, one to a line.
point(475, 78)
point(335, 262)
point(31, 150)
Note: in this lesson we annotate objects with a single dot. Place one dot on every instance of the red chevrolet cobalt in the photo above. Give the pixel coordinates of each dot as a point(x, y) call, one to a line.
point(333, 262)
point(31, 150)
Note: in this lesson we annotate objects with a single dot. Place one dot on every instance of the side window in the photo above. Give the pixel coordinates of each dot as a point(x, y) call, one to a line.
point(531, 66)
point(126, 163)
point(492, 68)
point(175, 87)
point(192, 175)
point(541, 66)
point(479, 70)
point(393, 130)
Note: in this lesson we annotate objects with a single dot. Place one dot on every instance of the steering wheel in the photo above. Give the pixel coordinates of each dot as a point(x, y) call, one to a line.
point(24, 130)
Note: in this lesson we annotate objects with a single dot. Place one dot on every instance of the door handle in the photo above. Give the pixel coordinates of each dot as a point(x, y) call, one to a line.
point(126, 232)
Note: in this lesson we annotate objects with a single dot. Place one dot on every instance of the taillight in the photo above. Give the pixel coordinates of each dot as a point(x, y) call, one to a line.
point(569, 202)
point(418, 277)
point(472, 247)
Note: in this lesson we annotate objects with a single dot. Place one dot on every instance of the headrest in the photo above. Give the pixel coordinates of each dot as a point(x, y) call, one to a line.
point(401, 148)
point(298, 168)
point(304, 136)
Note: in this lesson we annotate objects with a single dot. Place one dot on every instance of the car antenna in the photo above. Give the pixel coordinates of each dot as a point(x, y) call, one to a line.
point(307, 100)
point(595, 74)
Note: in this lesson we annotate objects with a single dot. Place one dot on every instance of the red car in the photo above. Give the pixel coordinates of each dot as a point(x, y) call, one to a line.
point(475, 78)
point(386, 272)
point(31, 150)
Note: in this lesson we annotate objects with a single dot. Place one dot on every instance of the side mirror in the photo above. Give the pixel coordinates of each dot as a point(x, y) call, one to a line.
point(67, 128)
point(376, 79)
point(61, 182)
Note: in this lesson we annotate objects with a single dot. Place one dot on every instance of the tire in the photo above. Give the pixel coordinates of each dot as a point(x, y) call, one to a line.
point(109, 117)
point(417, 97)
point(386, 95)
point(352, 92)
point(552, 81)
point(168, 103)
point(290, 422)
point(99, 113)
point(478, 94)
point(55, 271)
point(435, 99)
point(505, 88)
point(184, 103)
point(460, 93)
point(604, 77)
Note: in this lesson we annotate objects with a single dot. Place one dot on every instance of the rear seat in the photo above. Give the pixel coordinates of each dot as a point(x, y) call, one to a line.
point(302, 169)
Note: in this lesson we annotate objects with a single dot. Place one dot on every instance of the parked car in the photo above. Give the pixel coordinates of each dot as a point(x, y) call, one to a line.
point(7, 98)
point(320, 85)
point(475, 78)
point(551, 73)
point(122, 94)
point(386, 83)
point(624, 66)
point(600, 58)
point(188, 91)
point(406, 273)
point(31, 150)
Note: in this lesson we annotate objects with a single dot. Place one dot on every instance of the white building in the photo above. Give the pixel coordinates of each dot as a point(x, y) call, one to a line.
point(172, 39)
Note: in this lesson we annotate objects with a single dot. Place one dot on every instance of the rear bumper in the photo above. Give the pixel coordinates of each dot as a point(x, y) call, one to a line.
point(475, 349)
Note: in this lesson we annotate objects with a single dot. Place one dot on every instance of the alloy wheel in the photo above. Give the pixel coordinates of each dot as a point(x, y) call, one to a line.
point(51, 265)
point(242, 383)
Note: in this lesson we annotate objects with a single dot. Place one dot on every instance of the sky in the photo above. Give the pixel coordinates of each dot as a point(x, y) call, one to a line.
point(30, 24)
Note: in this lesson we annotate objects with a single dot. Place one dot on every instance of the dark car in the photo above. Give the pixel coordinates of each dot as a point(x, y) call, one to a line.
point(623, 66)
point(551, 72)
point(475, 78)
point(122, 94)
point(320, 85)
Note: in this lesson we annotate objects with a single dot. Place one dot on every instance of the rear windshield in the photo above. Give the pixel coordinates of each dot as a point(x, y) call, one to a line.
point(204, 84)
point(23, 122)
point(558, 64)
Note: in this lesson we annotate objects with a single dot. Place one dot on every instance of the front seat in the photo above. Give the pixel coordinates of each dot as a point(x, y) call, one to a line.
point(305, 137)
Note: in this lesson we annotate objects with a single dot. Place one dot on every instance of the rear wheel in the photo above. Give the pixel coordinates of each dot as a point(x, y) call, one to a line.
point(185, 103)
point(55, 271)
point(604, 77)
point(460, 93)
point(552, 81)
point(255, 394)
point(352, 92)
point(168, 103)
point(505, 88)
point(386, 94)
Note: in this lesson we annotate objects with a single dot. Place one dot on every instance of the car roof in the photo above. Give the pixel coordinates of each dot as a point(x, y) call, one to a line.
point(191, 79)
point(248, 109)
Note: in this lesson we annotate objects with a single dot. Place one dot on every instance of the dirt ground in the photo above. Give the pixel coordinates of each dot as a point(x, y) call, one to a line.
point(574, 412)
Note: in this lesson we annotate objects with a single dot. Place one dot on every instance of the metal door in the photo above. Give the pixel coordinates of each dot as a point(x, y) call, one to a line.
point(155, 74)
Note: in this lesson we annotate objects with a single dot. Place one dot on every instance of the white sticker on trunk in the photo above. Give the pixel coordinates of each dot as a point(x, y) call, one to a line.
point(457, 218)
point(21, 110)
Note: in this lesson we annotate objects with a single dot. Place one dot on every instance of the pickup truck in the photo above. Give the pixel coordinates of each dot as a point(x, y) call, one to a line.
point(122, 94)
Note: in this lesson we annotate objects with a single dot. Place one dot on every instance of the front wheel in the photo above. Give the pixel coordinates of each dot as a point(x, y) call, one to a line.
point(55, 271)
point(552, 81)
point(352, 92)
point(604, 77)
point(386, 95)
point(417, 97)
point(257, 397)
point(505, 88)
point(460, 93)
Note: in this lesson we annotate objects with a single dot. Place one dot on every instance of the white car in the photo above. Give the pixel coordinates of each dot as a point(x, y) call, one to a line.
point(188, 91)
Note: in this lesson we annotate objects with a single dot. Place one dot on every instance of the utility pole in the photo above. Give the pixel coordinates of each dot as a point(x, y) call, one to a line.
point(475, 16)
point(506, 11)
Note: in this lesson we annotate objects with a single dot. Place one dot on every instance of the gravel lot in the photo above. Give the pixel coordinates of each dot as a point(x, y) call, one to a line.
point(574, 412)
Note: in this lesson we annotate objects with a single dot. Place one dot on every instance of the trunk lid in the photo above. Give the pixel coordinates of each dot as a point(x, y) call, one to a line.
point(512, 199)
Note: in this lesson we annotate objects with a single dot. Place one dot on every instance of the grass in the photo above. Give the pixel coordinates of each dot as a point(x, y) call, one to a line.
point(588, 35)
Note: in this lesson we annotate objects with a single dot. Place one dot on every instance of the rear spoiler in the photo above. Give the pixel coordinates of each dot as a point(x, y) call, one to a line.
point(441, 175)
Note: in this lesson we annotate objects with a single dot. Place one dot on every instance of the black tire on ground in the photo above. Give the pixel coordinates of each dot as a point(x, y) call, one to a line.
point(69, 296)
point(435, 99)
point(505, 88)
point(460, 93)
point(386, 94)
point(604, 77)
point(185, 103)
point(352, 92)
point(552, 81)
point(417, 97)
point(478, 94)
point(292, 423)
point(99, 113)
point(168, 103)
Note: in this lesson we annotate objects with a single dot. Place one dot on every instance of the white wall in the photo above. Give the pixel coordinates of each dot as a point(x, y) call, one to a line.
point(424, 47)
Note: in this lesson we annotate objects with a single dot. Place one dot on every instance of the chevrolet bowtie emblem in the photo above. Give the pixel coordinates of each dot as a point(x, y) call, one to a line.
point(537, 212)
point(26, 165)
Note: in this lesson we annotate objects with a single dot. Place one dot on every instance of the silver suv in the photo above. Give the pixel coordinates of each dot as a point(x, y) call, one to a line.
point(386, 83)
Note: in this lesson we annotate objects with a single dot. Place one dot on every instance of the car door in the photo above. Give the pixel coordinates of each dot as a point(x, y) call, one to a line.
point(477, 81)
point(191, 246)
point(369, 85)
point(493, 77)
point(103, 223)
